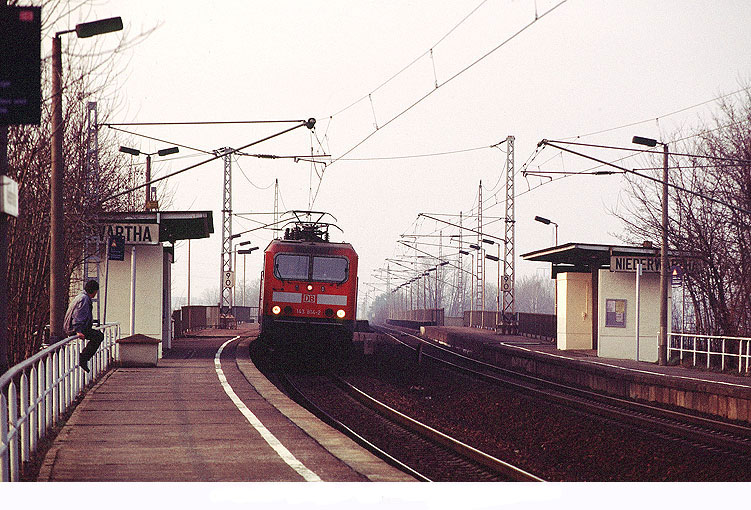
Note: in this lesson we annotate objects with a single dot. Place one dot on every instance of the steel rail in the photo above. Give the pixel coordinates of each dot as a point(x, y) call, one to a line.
point(300, 396)
point(686, 426)
point(463, 449)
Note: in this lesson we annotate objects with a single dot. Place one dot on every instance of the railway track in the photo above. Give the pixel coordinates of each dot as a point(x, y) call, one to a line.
point(698, 431)
point(418, 449)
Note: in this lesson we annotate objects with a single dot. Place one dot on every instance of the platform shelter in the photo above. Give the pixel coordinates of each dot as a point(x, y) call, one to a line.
point(597, 299)
point(136, 278)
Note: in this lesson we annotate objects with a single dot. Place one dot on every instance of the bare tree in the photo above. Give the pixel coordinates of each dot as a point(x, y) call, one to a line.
point(710, 200)
point(534, 294)
point(85, 77)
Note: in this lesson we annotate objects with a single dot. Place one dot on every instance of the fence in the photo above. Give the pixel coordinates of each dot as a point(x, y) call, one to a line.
point(431, 316)
point(537, 325)
point(707, 348)
point(194, 317)
point(37, 392)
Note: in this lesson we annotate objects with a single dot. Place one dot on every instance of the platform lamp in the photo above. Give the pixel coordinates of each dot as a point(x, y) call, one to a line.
point(546, 221)
point(472, 285)
point(57, 257)
point(662, 356)
point(245, 252)
point(136, 152)
point(498, 288)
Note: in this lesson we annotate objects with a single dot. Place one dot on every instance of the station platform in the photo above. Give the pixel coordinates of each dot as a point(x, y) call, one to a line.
point(203, 414)
point(722, 395)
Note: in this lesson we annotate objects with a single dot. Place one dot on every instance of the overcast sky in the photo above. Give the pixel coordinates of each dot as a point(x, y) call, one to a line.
point(585, 67)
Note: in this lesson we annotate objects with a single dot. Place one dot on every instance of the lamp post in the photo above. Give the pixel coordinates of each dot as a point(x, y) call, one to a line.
point(57, 252)
point(546, 221)
point(136, 152)
point(662, 343)
point(244, 252)
point(498, 289)
point(472, 284)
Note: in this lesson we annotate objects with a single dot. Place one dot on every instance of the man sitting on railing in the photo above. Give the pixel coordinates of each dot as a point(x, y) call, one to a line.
point(79, 322)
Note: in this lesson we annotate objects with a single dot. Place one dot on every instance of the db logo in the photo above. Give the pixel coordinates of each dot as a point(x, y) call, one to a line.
point(308, 298)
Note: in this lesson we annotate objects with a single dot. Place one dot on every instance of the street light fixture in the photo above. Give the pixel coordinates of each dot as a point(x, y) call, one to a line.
point(243, 252)
point(57, 255)
point(546, 221)
point(662, 344)
point(161, 152)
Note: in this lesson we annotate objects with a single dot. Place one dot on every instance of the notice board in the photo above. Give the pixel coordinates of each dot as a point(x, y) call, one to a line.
point(615, 313)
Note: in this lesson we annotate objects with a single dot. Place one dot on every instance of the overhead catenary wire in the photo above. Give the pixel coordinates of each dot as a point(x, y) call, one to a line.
point(413, 62)
point(654, 179)
point(158, 139)
point(237, 162)
point(201, 122)
point(217, 156)
point(647, 151)
point(681, 110)
point(440, 85)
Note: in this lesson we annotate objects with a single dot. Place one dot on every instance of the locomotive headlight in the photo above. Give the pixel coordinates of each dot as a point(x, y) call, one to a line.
point(276, 310)
point(340, 314)
point(310, 287)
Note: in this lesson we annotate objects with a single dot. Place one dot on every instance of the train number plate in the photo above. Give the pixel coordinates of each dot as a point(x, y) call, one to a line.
point(308, 312)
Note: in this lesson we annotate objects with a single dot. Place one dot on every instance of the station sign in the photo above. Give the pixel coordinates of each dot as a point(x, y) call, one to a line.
point(649, 264)
point(20, 69)
point(133, 233)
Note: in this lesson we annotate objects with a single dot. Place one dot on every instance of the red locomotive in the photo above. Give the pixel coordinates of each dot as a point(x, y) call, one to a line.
point(308, 286)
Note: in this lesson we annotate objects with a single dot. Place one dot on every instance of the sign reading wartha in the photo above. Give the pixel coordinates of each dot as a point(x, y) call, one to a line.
point(133, 233)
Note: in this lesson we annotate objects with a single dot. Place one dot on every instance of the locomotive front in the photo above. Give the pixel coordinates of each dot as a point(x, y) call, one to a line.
point(309, 290)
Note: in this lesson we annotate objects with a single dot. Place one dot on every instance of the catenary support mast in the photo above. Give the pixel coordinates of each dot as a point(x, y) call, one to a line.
point(225, 287)
point(508, 259)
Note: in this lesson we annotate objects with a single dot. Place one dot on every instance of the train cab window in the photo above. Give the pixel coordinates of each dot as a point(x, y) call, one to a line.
point(330, 269)
point(291, 267)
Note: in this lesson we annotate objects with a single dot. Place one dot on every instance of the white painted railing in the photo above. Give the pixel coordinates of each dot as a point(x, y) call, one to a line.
point(35, 393)
point(705, 347)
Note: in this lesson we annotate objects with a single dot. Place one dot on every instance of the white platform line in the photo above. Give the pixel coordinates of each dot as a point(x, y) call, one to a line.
point(272, 441)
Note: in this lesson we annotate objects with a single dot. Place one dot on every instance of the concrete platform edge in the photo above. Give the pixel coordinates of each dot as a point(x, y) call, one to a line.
point(363, 462)
point(627, 379)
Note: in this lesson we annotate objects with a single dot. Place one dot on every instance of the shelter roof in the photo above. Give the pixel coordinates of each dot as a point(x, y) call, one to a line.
point(581, 255)
point(173, 225)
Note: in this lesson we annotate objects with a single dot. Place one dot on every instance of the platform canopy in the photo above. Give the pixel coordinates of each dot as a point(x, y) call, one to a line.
point(581, 258)
point(173, 225)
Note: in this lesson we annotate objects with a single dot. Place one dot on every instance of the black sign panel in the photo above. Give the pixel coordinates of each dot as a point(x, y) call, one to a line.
point(116, 248)
point(20, 73)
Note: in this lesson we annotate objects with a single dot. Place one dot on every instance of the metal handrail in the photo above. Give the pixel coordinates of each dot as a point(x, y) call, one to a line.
point(708, 352)
point(37, 392)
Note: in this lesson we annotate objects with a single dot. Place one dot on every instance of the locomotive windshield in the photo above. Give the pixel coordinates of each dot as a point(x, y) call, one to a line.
point(319, 269)
point(291, 267)
point(330, 269)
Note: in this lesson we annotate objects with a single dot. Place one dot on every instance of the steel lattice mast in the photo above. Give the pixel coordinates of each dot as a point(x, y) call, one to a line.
point(460, 283)
point(508, 259)
point(480, 293)
point(225, 298)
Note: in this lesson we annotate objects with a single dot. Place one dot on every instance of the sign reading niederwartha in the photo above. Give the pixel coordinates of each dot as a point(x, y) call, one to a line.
point(651, 264)
point(133, 233)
